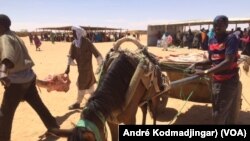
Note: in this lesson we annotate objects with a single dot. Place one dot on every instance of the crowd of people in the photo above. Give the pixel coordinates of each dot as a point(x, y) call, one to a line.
point(199, 39)
point(94, 37)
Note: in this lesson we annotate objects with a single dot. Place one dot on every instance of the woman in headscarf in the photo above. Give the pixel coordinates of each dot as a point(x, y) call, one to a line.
point(81, 51)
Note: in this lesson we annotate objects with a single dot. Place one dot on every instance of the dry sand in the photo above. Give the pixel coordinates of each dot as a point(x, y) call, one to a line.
point(52, 60)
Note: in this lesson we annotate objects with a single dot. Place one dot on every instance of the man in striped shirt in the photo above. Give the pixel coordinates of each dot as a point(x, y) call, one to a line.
point(226, 86)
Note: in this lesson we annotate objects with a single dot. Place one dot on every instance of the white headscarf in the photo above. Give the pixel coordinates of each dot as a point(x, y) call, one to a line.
point(80, 32)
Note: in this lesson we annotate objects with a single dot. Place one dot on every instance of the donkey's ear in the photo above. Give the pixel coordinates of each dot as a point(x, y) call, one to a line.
point(61, 132)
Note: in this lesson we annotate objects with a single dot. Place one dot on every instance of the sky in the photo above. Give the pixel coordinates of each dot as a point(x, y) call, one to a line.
point(125, 14)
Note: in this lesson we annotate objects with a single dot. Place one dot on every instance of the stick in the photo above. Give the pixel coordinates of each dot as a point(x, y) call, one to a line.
point(183, 81)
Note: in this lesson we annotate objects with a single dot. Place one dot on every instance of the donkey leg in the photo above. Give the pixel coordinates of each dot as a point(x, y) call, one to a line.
point(113, 130)
point(144, 113)
point(154, 112)
point(154, 117)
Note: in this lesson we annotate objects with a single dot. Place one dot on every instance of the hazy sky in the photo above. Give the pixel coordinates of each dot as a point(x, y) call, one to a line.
point(126, 14)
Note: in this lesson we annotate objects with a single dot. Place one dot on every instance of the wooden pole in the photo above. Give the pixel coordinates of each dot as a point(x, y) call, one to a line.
point(183, 81)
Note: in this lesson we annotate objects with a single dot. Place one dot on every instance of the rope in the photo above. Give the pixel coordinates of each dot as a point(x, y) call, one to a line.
point(191, 93)
point(179, 112)
point(181, 94)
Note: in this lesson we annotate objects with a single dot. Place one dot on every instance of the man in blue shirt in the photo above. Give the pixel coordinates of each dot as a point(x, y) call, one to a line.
point(226, 86)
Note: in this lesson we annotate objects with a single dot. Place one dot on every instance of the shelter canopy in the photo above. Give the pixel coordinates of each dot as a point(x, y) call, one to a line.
point(88, 28)
point(208, 22)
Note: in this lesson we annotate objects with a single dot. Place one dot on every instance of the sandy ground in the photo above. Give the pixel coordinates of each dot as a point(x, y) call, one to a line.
point(52, 60)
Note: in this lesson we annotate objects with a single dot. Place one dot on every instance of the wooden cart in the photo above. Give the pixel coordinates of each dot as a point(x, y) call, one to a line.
point(198, 90)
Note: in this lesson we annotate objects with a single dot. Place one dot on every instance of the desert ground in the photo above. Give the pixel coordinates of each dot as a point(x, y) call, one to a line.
point(52, 59)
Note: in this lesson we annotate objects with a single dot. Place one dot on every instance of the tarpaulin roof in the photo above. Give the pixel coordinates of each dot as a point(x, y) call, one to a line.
point(206, 22)
point(84, 27)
